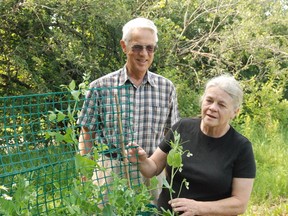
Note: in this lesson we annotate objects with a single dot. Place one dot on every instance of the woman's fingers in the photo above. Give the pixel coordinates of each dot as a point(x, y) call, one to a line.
point(135, 152)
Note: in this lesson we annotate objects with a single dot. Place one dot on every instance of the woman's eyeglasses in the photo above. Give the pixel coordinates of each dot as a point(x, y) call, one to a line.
point(139, 48)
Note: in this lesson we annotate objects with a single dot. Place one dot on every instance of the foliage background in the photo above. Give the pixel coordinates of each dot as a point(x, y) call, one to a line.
point(44, 44)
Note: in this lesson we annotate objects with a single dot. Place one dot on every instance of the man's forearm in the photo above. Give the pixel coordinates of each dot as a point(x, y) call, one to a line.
point(85, 142)
point(85, 147)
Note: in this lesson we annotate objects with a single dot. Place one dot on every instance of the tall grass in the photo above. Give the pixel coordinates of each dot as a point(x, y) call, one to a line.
point(270, 192)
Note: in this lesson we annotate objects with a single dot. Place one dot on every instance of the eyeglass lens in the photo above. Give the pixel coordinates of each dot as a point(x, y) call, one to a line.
point(139, 48)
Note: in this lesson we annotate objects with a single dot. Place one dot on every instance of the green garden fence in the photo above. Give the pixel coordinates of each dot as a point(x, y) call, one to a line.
point(40, 168)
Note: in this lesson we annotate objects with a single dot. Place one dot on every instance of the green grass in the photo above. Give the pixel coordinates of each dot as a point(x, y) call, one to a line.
point(270, 192)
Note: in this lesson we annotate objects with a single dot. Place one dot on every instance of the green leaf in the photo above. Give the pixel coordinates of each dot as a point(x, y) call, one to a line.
point(49, 134)
point(85, 165)
point(95, 154)
point(166, 184)
point(82, 86)
point(52, 116)
point(154, 182)
point(72, 85)
point(60, 116)
point(68, 137)
point(177, 137)
point(108, 210)
point(59, 137)
point(174, 159)
point(76, 95)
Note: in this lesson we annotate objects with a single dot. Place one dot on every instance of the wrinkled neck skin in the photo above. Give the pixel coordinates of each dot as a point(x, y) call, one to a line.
point(136, 78)
point(214, 132)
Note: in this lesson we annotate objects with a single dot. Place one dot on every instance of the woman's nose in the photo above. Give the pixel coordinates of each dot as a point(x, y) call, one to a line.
point(213, 107)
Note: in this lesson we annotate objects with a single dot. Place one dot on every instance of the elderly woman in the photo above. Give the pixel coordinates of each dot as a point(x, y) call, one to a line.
point(221, 169)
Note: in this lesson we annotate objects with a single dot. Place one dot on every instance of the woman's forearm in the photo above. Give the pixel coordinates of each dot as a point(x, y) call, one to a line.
point(151, 166)
point(148, 168)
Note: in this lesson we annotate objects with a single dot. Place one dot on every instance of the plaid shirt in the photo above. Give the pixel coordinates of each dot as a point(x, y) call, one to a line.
point(147, 111)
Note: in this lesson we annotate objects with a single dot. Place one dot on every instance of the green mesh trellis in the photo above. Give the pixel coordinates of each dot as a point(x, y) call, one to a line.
point(39, 142)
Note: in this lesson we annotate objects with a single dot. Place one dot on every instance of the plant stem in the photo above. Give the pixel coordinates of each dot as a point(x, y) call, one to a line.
point(125, 160)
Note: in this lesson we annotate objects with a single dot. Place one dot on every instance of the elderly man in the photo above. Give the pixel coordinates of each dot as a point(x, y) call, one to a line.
point(153, 97)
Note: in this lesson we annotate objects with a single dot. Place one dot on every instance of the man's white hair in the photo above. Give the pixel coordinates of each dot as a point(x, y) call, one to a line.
point(138, 23)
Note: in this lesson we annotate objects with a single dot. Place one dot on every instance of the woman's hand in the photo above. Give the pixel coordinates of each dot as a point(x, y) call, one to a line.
point(188, 207)
point(135, 153)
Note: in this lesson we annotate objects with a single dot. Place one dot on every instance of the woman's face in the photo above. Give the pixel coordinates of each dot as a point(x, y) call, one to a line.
point(217, 108)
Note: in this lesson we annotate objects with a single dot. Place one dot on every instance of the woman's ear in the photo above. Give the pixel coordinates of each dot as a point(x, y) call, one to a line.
point(236, 111)
point(123, 45)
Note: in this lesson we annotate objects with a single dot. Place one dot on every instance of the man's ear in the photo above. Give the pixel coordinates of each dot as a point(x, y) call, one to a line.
point(123, 45)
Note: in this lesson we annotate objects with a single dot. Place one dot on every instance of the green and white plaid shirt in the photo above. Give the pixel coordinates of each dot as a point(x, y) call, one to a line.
point(147, 111)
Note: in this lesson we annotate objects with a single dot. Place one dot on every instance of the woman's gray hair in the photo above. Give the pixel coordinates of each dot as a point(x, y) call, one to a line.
point(138, 23)
point(230, 85)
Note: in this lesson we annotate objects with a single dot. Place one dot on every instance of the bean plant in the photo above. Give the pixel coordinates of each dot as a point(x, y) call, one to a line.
point(174, 159)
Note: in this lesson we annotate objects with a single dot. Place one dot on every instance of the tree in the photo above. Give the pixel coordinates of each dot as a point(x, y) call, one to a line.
point(48, 43)
point(206, 38)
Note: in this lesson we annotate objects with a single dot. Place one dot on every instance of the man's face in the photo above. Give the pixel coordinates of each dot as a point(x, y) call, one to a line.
point(139, 51)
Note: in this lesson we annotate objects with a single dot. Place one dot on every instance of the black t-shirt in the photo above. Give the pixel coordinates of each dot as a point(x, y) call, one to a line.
point(213, 164)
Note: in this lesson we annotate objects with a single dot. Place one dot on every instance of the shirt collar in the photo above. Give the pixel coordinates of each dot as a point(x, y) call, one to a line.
point(123, 78)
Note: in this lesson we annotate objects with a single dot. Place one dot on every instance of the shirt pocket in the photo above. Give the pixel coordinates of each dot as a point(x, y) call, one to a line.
point(158, 117)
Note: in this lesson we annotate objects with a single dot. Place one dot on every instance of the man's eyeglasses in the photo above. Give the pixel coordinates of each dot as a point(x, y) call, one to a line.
point(139, 48)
